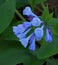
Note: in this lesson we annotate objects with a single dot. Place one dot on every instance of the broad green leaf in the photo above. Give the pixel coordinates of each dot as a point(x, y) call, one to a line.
point(12, 53)
point(48, 49)
point(6, 14)
point(8, 34)
point(46, 16)
point(21, 3)
point(52, 62)
point(2, 2)
point(54, 26)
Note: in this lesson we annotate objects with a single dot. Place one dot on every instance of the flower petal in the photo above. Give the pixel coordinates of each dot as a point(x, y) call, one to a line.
point(27, 11)
point(32, 43)
point(18, 29)
point(48, 37)
point(39, 33)
point(21, 28)
point(24, 42)
point(20, 36)
point(27, 24)
point(36, 21)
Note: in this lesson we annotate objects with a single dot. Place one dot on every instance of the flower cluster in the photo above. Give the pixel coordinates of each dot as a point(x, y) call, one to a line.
point(35, 24)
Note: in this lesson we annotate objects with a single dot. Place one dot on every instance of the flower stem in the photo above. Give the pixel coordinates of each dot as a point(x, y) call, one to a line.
point(43, 6)
point(20, 15)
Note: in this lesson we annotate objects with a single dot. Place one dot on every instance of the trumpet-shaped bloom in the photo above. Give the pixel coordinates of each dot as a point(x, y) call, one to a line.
point(27, 24)
point(36, 21)
point(32, 43)
point(22, 30)
point(27, 11)
point(25, 41)
point(18, 29)
point(48, 37)
point(39, 33)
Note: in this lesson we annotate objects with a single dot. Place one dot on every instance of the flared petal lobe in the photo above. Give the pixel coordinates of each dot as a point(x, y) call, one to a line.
point(27, 24)
point(18, 29)
point(25, 41)
point(39, 33)
point(27, 11)
point(36, 21)
point(32, 43)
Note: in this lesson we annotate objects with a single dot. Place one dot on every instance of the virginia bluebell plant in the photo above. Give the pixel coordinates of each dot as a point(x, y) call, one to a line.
point(35, 24)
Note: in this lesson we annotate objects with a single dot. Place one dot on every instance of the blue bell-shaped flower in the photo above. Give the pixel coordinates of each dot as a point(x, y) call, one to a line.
point(24, 41)
point(27, 11)
point(39, 33)
point(48, 37)
point(32, 43)
point(36, 21)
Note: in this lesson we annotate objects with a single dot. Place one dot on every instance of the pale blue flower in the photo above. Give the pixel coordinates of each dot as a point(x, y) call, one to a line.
point(27, 24)
point(35, 24)
point(23, 29)
point(18, 29)
point(39, 33)
point(36, 21)
point(27, 11)
point(32, 43)
point(48, 37)
point(20, 36)
point(25, 41)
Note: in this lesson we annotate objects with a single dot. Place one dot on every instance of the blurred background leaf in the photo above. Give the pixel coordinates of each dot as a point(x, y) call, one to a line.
point(48, 49)
point(21, 3)
point(12, 53)
point(8, 33)
point(54, 26)
point(2, 2)
point(46, 16)
point(7, 9)
point(52, 61)
point(33, 3)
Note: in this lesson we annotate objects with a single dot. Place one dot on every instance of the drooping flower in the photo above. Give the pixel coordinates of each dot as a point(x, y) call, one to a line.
point(25, 41)
point(23, 29)
point(35, 26)
point(28, 12)
point(39, 33)
point(18, 29)
point(32, 43)
point(48, 37)
point(36, 21)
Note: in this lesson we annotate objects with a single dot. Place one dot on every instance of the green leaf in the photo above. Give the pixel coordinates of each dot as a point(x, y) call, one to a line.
point(6, 13)
point(33, 3)
point(54, 26)
point(8, 34)
point(52, 62)
point(48, 49)
point(2, 2)
point(21, 3)
point(46, 16)
point(12, 53)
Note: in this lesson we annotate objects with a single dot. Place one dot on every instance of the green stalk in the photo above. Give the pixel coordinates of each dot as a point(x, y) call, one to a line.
point(43, 6)
point(20, 16)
